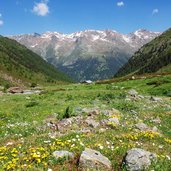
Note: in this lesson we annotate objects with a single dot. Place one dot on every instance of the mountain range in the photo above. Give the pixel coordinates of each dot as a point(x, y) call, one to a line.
point(153, 57)
point(89, 54)
point(20, 66)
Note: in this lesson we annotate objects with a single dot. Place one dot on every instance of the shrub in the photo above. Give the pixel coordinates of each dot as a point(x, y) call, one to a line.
point(33, 85)
point(32, 104)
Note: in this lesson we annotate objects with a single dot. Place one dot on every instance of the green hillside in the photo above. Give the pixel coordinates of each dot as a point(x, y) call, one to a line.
point(152, 57)
point(20, 65)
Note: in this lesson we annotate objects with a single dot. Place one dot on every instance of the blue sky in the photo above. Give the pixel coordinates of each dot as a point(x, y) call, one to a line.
point(67, 16)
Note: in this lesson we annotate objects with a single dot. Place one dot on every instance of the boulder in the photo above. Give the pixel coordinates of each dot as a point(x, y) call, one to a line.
point(93, 160)
point(138, 159)
point(63, 154)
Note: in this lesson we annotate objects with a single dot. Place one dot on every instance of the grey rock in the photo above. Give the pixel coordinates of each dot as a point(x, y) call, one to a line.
point(92, 160)
point(141, 126)
point(85, 131)
point(32, 91)
point(141, 96)
point(111, 112)
point(138, 159)
point(114, 121)
point(155, 99)
point(156, 120)
point(63, 154)
point(91, 111)
point(92, 123)
point(155, 129)
point(133, 93)
point(107, 122)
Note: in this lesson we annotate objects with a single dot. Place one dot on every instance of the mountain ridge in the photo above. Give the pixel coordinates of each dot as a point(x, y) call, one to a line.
point(97, 49)
point(155, 56)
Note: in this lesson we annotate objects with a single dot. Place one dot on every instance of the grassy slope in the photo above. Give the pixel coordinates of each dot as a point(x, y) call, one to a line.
point(22, 64)
point(28, 138)
point(152, 57)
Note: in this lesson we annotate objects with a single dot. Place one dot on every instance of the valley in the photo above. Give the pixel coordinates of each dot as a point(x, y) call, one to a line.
point(85, 85)
point(89, 54)
point(51, 129)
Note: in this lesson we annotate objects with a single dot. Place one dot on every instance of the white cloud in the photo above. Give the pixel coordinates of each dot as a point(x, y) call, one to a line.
point(120, 4)
point(1, 22)
point(155, 11)
point(41, 9)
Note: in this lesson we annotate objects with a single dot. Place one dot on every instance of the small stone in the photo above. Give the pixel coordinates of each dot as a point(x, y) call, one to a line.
point(94, 160)
point(92, 123)
point(157, 120)
point(91, 111)
point(155, 99)
point(142, 127)
point(133, 93)
point(63, 154)
point(154, 129)
point(114, 121)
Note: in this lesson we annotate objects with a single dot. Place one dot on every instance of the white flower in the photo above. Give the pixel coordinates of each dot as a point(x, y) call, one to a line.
point(101, 147)
point(81, 144)
point(160, 146)
point(9, 143)
point(49, 169)
point(73, 139)
point(48, 141)
point(168, 157)
point(72, 145)
point(107, 142)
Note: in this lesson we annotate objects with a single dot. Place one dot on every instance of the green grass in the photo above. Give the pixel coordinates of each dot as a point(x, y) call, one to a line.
point(22, 118)
point(20, 65)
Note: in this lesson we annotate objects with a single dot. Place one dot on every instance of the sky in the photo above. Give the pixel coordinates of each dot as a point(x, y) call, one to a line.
point(68, 16)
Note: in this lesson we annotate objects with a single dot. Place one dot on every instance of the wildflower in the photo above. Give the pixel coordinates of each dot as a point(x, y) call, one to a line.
point(107, 142)
point(168, 157)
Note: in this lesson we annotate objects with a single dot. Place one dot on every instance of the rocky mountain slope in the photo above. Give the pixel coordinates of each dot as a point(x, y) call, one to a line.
point(153, 57)
point(19, 65)
point(90, 54)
